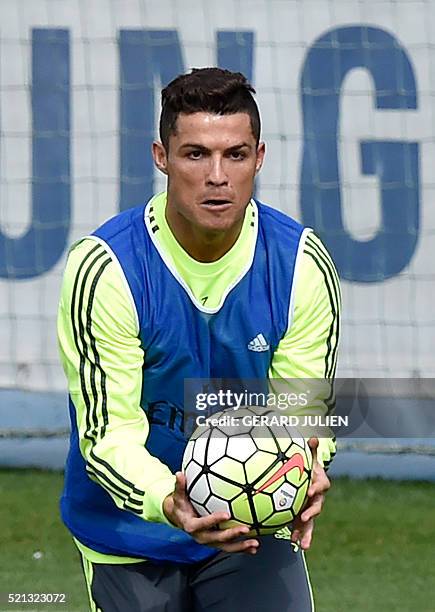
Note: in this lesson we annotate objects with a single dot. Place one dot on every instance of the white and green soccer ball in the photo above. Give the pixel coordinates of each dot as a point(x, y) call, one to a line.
point(258, 474)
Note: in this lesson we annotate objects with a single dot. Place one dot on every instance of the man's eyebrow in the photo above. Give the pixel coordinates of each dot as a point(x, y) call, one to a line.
point(242, 145)
point(192, 145)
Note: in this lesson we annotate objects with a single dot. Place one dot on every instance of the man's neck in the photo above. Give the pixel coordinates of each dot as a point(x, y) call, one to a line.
point(201, 245)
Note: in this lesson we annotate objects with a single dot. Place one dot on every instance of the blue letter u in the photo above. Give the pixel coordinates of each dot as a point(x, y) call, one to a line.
point(43, 244)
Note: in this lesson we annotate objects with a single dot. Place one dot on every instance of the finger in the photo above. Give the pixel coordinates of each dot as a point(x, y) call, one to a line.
point(313, 443)
point(180, 483)
point(296, 536)
point(317, 492)
point(316, 489)
point(194, 525)
point(180, 494)
point(296, 529)
point(247, 546)
point(307, 536)
point(220, 537)
point(314, 509)
point(319, 485)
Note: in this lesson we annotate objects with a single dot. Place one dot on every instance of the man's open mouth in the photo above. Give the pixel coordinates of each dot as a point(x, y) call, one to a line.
point(216, 202)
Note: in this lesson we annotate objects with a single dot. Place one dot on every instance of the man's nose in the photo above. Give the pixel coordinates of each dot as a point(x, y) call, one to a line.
point(217, 175)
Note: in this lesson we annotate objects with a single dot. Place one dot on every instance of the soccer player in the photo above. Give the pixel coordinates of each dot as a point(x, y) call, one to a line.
point(202, 281)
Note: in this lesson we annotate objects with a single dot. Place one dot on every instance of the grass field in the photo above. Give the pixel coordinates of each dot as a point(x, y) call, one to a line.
point(374, 546)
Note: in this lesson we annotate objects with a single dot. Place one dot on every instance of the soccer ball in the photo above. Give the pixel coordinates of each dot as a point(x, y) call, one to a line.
point(258, 473)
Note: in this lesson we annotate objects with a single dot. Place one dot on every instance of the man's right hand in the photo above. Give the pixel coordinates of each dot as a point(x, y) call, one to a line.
point(181, 513)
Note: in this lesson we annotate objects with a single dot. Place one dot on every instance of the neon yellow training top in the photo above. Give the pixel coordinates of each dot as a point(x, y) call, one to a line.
point(307, 350)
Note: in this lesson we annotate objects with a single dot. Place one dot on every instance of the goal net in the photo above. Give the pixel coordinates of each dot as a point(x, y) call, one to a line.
point(346, 92)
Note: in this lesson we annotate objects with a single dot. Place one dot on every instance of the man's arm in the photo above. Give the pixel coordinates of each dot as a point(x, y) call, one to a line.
point(102, 360)
point(309, 351)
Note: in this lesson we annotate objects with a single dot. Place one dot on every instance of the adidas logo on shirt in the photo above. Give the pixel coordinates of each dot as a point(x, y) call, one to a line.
point(258, 344)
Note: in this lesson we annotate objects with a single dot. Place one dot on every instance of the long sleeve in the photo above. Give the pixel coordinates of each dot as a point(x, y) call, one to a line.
point(102, 359)
point(309, 348)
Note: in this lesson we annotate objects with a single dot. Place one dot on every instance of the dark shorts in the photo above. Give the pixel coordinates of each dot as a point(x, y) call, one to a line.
point(274, 580)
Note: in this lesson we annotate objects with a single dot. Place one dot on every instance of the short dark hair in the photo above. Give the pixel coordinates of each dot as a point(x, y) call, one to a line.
point(210, 90)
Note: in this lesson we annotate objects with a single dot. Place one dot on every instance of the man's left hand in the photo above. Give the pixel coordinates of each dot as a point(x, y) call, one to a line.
point(303, 525)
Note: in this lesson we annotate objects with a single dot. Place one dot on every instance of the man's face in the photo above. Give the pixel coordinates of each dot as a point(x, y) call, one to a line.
point(211, 165)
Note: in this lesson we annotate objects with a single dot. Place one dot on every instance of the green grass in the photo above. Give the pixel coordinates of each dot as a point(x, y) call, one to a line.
point(30, 522)
point(373, 550)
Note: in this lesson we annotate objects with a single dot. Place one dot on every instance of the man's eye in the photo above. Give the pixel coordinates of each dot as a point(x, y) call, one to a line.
point(195, 154)
point(237, 155)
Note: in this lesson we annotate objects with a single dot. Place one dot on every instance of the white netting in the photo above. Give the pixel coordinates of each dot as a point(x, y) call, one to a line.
point(388, 325)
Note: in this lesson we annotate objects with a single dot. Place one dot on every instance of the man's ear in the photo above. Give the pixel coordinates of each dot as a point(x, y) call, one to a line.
point(160, 157)
point(261, 150)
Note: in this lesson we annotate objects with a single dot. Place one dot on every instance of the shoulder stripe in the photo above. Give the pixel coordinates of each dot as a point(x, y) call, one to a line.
point(331, 280)
point(88, 275)
point(326, 464)
point(109, 489)
point(97, 364)
point(120, 491)
point(326, 266)
point(85, 357)
point(328, 361)
point(130, 485)
point(315, 242)
point(76, 324)
point(333, 452)
point(323, 253)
